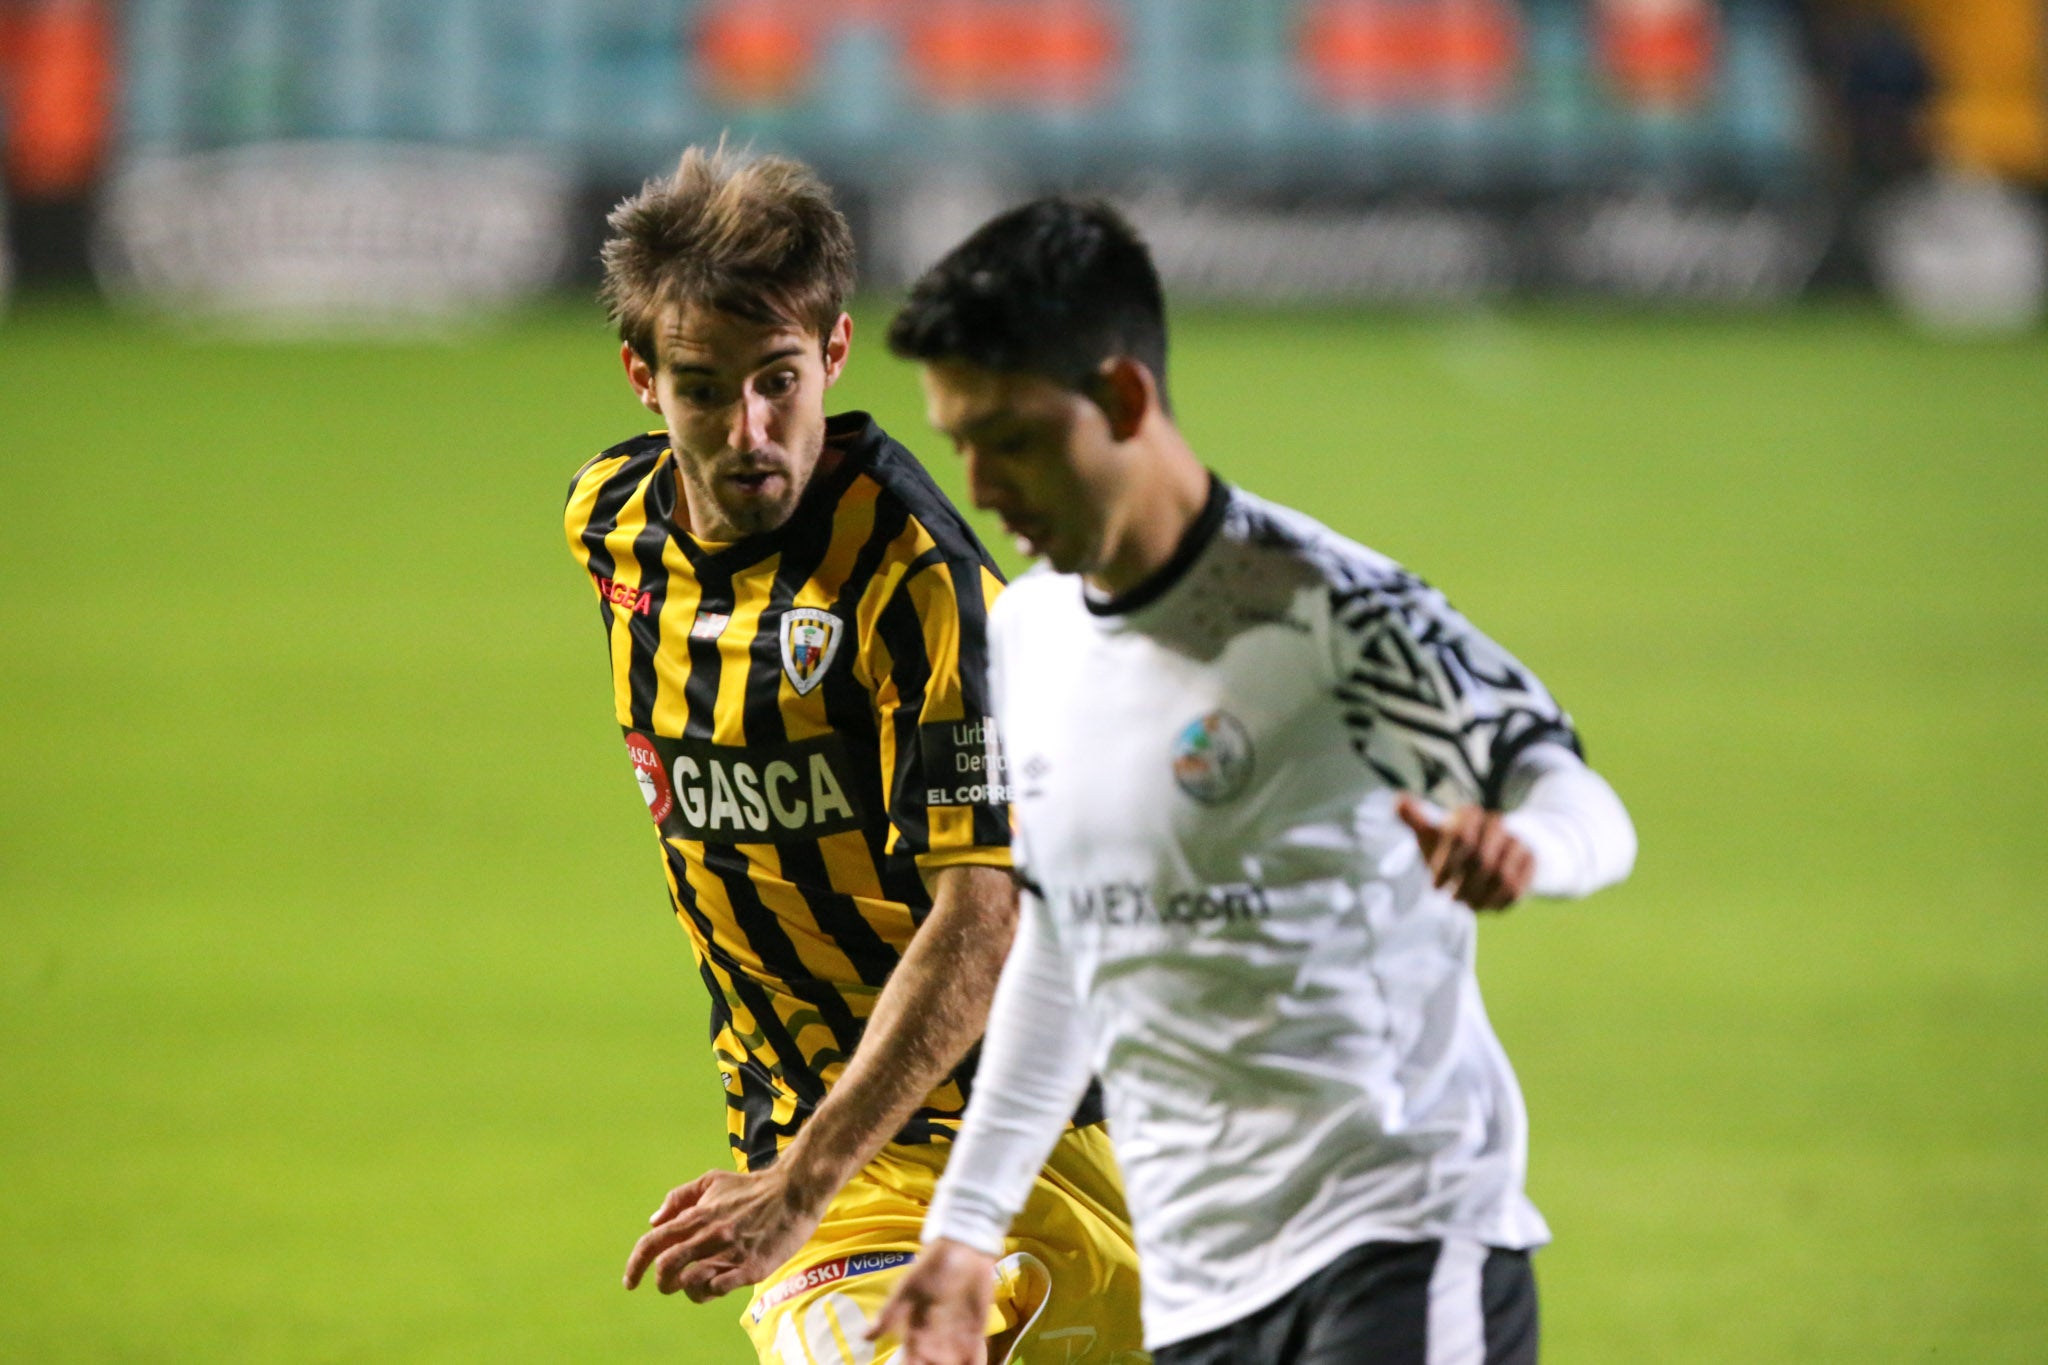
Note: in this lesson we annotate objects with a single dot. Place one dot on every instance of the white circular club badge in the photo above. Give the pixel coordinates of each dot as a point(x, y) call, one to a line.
point(1212, 758)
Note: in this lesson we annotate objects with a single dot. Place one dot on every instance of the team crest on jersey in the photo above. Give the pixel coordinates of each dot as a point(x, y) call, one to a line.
point(810, 639)
point(1212, 758)
point(653, 778)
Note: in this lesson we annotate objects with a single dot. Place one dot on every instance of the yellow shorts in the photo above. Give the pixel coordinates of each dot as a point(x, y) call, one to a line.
point(1069, 1280)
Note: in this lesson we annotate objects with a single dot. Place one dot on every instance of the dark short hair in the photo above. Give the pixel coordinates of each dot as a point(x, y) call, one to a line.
point(1053, 288)
point(754, 236)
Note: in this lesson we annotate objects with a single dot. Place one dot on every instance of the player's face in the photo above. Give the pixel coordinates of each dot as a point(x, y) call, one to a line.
point(744, 403)
point(1039, 455)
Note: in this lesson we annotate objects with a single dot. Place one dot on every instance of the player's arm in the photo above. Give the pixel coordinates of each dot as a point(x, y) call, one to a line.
point(726, 1229)
point(1444, 713)
point(1034, 1070)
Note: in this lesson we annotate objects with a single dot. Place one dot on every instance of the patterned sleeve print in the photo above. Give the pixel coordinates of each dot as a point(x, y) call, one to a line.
point(1434, 706)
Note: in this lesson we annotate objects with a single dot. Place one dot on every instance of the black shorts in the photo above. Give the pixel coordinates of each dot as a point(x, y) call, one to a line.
point(1387, 1303)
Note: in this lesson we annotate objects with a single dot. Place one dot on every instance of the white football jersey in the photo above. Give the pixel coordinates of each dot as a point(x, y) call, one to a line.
point(1282, 1010)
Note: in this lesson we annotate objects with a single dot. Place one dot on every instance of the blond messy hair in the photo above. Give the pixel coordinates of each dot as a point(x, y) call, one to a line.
point(757, 237)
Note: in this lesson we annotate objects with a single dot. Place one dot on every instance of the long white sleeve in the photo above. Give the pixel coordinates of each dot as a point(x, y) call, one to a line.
point(1567, 815)
point(1034, 1070)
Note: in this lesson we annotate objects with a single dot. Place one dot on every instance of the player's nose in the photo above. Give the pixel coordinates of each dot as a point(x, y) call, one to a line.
point(750, 423)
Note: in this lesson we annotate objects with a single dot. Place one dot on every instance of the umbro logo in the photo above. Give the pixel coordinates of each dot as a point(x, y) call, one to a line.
point(1032, 773)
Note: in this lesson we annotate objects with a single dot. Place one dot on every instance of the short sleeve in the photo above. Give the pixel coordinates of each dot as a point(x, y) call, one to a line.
point(942, 766)
point(1434, 706)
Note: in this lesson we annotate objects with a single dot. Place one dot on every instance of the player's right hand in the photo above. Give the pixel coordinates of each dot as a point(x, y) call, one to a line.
point(940, 1307)
point(722, 1231)
point(1471, 854)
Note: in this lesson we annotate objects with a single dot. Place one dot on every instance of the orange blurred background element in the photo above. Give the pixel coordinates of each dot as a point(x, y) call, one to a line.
point(759, 51)
point(1658, 54)
point(57, 84)
point(1012, 51)
point(1391, 52)
point(957, 51)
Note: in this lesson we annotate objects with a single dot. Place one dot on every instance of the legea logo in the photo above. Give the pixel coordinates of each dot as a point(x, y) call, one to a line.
point(639, 601)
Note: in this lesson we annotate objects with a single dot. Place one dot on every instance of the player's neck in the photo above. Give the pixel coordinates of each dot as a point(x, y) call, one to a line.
point(1162, 498)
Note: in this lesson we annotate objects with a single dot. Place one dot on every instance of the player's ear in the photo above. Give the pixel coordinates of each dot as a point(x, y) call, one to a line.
point(641, 376)
point(838, 343)
point(1124, 390)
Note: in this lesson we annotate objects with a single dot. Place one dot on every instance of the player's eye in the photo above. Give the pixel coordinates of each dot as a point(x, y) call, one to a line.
point(780, 384)
point(701, 395)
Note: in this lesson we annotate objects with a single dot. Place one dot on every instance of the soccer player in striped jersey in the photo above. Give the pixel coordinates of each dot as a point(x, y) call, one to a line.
point(795, 621)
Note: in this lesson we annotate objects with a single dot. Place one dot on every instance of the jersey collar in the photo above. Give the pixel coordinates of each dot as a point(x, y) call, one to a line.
point(1201, 531)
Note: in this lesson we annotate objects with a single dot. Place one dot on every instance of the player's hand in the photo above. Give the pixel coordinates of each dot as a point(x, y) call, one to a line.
point(721, 1231)
point(1471, 854)
point(940, 1307)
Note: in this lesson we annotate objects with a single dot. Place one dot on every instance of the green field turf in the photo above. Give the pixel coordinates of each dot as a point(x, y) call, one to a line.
point(341, 1017)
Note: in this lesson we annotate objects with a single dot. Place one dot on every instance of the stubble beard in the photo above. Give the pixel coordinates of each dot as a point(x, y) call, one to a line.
point(743, 516)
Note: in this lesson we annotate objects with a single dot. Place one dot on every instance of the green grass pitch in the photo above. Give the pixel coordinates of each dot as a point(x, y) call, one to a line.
point(341, 1017)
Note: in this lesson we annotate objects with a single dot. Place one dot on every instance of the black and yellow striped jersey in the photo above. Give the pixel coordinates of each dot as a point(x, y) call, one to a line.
point(806, 713)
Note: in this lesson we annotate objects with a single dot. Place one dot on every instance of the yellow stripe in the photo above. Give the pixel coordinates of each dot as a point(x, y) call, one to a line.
point(672, 659)
point(931, 595)
point(751, 590)
point(583, 502)
point(853, 873)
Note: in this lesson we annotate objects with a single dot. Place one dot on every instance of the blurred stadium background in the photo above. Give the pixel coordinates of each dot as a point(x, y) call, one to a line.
point(1695, 348)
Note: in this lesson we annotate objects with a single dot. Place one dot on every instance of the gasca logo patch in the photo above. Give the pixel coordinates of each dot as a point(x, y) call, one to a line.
point(1212, 758)
point(810, 641)
point(652, 775)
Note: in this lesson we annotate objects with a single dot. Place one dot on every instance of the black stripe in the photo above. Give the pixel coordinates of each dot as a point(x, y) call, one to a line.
point(700, 692)
point(920, 1129)
point(760, 1137)
point(1506, 749)
point(910, 670)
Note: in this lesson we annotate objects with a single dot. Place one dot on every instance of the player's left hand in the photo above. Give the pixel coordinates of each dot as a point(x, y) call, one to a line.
point(940, 1306)
point(1471, 854)
point(720, 1232)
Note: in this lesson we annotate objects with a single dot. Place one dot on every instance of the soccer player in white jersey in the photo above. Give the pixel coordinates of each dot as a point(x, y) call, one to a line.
point(1262, 778)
